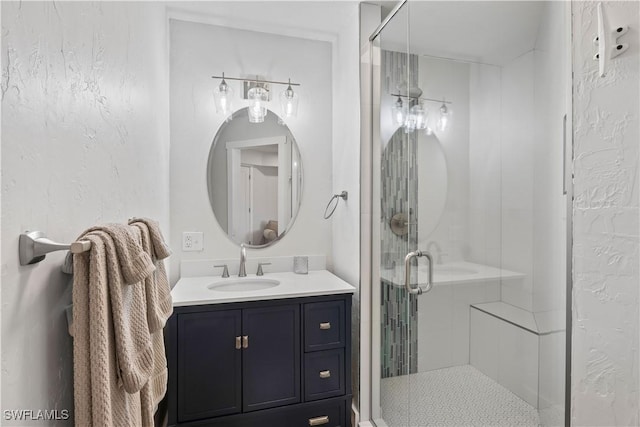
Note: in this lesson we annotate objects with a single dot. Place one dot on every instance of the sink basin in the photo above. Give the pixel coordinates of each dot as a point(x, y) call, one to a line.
point(243, 285)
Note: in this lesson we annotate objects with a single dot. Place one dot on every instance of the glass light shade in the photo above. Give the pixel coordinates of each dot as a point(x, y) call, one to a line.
point(419, 115)
point(410, 122)
point(258, 98)
point(289, 103)
point(222, 96)
point(445, 118)
point(398, 113)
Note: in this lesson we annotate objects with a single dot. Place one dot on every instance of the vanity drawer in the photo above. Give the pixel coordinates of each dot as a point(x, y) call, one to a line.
point(324, 374)
point(322, 413)
point(328, 413)
point(324, 325)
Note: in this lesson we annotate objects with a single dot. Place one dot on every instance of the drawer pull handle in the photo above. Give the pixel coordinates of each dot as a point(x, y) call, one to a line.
point(325, 325)
point(238, 343)
point(325, 374)
point(245, 341)
point(318, 421)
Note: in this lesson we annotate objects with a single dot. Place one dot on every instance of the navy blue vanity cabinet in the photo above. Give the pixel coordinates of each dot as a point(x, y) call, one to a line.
point(281, 363)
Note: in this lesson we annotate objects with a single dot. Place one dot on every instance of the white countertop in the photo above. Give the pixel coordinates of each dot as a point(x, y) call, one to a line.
point(194, 290)
point(450, 273)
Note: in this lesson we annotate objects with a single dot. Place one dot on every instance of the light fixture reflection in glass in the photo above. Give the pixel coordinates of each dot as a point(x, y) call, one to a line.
point(289, 102)
point(419, 116)
point(445, 116)
point(258, 98)
point(222, 96)
point(398, 113)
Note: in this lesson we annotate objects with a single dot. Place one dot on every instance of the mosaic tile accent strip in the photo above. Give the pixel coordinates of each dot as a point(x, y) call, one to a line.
point(398, 189)
point(399, 327)
point(398, 68)
point(458, 396)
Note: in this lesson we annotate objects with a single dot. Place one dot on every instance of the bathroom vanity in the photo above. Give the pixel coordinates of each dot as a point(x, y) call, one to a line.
point(276, 355)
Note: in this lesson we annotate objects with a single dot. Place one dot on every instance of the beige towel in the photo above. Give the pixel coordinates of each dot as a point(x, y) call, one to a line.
point(113, 349)
point(159, 304)
point(99, 398)
point(159, 308)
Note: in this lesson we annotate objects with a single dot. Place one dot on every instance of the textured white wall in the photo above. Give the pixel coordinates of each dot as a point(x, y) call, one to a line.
point(199, 51)
point(605, 386)
point(84, 141)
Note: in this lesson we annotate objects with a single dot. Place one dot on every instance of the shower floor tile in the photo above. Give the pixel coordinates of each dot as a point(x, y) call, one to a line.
point(457, 396)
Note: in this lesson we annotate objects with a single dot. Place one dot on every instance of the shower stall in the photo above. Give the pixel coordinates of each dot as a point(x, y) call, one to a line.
point(470, 136)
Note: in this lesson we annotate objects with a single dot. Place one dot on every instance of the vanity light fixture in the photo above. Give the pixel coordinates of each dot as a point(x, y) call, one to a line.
point(257, 93)
point(415, 118)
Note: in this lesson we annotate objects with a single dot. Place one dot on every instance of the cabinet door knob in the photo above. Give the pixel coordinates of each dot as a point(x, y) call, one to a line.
point(325, 374)
point(318, 421)
point(245, 341)
point(238, 343)
point(325, 325)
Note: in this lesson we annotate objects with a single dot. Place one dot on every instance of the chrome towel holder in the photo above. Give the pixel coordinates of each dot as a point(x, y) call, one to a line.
point(344, 196)
point(34, 245)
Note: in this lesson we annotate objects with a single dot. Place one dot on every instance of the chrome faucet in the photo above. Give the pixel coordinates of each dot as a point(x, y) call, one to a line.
point(438, 250)
point(243, 260)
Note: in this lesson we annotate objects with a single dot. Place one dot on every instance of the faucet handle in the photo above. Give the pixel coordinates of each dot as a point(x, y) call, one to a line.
point(225, 272)
point(260, 264)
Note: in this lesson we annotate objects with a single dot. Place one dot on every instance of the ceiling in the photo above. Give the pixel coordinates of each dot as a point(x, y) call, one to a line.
point(312, 19)
point(493, 32)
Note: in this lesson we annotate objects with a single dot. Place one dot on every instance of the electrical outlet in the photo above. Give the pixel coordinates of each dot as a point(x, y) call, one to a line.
point(192, 241)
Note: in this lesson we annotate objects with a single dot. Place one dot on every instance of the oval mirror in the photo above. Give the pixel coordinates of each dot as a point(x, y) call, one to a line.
point(254, 178)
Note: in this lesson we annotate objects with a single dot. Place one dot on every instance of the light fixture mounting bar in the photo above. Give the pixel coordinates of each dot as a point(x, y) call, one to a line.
point(439, 101)
point(248, 79)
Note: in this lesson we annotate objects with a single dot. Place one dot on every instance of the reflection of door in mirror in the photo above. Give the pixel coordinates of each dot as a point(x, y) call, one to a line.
point(260, 188)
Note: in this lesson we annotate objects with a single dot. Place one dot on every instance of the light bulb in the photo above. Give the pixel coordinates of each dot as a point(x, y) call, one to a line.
point(443, 121)
point(398, 113)
point(419, 116)
point(289, 102)
point(257, 108)
point(222, 95)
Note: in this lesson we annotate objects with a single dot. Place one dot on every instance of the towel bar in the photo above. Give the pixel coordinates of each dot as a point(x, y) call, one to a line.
point(34, 245)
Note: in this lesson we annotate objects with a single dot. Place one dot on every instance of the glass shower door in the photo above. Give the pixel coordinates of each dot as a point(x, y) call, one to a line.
point(467, 161)
point(395, 151)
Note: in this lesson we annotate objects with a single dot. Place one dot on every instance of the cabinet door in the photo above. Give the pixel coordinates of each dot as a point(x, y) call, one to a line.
point(209, 364)
point(271, 361)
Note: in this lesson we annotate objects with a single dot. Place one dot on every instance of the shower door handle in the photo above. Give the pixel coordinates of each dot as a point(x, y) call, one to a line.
point(564, 155)
point(407, 272)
